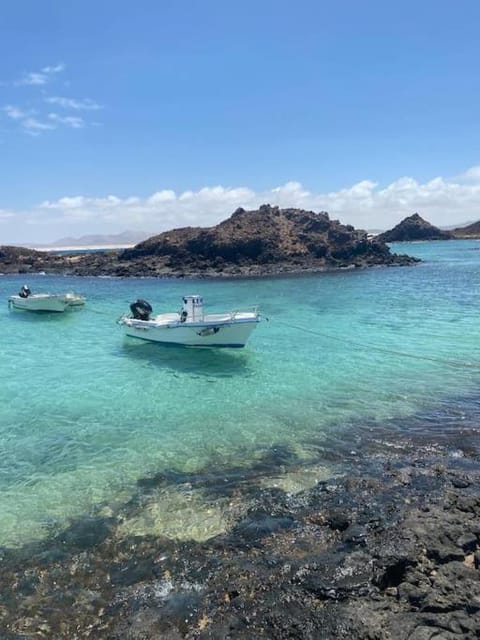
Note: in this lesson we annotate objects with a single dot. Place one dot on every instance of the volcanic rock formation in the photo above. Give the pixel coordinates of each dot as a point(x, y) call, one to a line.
point(414, 228)
point(266, 241)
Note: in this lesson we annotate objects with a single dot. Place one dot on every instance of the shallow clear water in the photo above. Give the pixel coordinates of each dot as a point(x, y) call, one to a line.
point(86, 412)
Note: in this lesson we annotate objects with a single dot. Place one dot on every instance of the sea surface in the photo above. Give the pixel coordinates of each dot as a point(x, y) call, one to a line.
point(86, 413)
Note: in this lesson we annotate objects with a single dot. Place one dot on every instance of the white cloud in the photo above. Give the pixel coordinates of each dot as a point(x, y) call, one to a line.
point(37, 125)
point(442, 201)
point(14, 112)
point(55, 69)
point(473, 173)
point(34, 78)
point(65, 203)
point(69, 121)
point(71, 103)
point(39, 78)
point(32, 125)
point(159, 197)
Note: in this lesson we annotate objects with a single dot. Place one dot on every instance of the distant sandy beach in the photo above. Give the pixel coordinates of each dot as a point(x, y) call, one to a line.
point(85, 248)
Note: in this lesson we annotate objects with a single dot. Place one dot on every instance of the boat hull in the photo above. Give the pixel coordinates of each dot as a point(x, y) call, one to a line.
point(46, 302)
point(232, 335)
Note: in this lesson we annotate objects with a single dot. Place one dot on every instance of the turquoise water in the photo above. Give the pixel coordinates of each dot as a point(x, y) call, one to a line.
point(86, 412)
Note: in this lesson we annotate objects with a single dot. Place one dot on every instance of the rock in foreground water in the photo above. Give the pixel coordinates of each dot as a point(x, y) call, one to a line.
point(388, 552)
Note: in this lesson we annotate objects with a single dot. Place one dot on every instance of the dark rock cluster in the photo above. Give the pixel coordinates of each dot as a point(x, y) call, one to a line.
point(266, 241)
point(20, 260)
point(414, 228)
point(389, 551)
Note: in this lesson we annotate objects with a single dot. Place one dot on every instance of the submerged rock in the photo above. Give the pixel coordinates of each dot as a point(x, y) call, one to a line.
point(366, 557)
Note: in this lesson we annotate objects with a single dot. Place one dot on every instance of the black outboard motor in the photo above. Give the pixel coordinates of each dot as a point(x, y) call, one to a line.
point(24, 291)
point(141, 310)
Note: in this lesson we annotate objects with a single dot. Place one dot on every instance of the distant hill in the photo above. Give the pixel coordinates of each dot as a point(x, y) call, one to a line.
point(469, 231)
point(119, 239)
point(451, 227)
point(414, 228)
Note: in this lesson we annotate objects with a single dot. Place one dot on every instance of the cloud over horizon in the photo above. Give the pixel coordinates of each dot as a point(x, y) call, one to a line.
point(365, 204)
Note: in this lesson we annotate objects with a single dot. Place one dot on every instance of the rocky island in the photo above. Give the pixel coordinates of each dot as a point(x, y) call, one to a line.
point(266, 241)
point(414, 228)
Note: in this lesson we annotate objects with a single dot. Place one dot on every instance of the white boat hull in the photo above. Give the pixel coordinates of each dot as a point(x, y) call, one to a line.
point(233, 333)
point(46, 302)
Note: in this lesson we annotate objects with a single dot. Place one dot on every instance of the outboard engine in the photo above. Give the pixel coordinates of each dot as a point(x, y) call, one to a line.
point(24, 291)
point(141, 310)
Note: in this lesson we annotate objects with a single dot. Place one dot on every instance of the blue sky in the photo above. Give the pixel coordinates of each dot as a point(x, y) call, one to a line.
point(130, 100)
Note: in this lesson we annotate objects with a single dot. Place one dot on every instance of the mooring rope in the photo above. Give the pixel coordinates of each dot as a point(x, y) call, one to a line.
point(100, 313)
point(368, 347)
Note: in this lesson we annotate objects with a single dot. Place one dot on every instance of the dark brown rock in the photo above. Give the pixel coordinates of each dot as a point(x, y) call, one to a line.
point(414, 228)
point(267, 241)
point(264, 241)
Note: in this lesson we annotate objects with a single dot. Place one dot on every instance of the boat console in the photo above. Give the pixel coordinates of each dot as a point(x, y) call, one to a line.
point(193, 309)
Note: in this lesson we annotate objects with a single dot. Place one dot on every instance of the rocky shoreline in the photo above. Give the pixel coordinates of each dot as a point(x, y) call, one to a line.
point(388, 550)
point(108, 265)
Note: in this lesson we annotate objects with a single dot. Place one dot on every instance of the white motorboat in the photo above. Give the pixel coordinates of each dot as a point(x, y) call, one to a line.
point(44, 301)
point(191, 326)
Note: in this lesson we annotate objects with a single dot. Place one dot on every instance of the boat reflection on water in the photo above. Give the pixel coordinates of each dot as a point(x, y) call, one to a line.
point(211, 363)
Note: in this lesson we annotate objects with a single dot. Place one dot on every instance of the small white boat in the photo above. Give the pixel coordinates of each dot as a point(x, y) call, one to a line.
point(191, 326)
point(44, 301)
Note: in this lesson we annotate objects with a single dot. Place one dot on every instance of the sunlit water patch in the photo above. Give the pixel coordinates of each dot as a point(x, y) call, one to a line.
point(86, 412)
